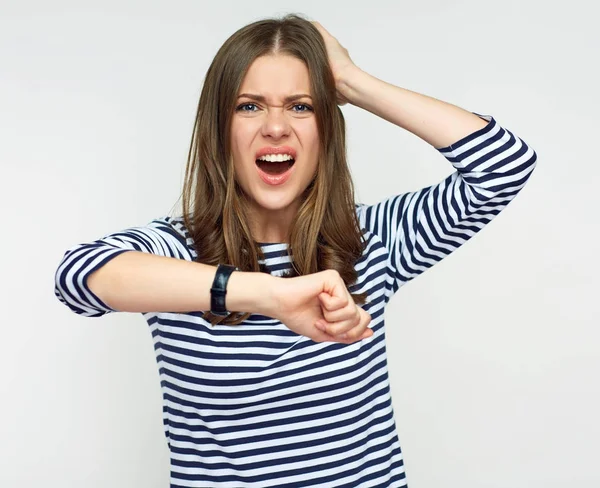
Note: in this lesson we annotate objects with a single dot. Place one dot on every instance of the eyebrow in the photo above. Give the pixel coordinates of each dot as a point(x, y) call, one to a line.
point(262, 99)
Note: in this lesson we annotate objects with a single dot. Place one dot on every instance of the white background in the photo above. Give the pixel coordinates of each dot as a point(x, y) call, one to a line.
point(494, 356)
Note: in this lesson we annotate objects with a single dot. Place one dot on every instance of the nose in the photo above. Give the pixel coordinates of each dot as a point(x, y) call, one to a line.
point(275, 124)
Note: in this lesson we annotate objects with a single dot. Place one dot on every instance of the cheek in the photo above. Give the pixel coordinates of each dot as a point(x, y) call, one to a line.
point(310, 138)
point(242, 141)
point(239, 146)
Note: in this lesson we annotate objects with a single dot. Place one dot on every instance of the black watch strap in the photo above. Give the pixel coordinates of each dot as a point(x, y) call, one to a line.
point(219, 289)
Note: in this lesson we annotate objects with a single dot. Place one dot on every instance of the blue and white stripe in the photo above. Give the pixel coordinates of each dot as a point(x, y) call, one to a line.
point(256, 405)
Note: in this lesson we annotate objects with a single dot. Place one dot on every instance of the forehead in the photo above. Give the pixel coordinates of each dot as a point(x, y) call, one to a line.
point(276, 76)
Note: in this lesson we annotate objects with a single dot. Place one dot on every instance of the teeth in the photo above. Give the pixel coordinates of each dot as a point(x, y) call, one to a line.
point(274, 158)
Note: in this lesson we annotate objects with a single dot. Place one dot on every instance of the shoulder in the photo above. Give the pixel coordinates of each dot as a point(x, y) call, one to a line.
point(175, 226)
point(373, 246)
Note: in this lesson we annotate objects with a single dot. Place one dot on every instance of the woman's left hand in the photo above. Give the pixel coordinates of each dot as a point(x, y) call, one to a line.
point(339, 61)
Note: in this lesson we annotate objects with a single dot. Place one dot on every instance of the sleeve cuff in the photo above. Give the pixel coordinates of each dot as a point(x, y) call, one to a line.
point(461, 143)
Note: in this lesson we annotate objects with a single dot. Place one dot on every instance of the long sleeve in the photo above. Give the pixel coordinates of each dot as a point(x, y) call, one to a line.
point(421, 228)
point(163, 237)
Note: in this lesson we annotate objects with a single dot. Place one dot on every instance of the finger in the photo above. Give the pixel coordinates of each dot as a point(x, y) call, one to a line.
point(342, 320)
point(357, 334)
point(331, 303)
point(322, 325)
point(317, 25)
point(350, 338)
point(342, 326)
point(367, 333)
point(359, 318)
point(323, 337)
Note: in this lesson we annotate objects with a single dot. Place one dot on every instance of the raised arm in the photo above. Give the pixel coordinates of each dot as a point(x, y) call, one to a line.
point(421, 228)
point(147, 269)
point(491, 166)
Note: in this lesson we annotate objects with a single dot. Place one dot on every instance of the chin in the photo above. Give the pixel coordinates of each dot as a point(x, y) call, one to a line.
point(274, 202)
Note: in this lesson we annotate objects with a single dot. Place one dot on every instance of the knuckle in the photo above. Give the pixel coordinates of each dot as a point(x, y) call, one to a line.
point(334, 273)
point(351, 334)
point(356, 336)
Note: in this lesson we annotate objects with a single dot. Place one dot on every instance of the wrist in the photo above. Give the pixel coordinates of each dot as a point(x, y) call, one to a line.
point(251, 292)
point(218, 290)
point(349, 83)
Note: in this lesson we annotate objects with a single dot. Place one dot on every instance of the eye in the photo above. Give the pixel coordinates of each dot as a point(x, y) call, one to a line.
point(241, 108)
point(252, 107)
point(308, 108)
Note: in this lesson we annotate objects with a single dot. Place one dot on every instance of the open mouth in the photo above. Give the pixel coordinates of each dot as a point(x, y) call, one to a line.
point(275, 167)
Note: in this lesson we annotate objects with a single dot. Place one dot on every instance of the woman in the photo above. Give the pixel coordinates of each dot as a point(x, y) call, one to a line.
point(293, 389)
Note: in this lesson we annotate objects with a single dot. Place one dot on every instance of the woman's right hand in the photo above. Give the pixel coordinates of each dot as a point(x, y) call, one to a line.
point(320, 307)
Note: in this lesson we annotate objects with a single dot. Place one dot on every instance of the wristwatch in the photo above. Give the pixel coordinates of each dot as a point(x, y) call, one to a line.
point(219, 289)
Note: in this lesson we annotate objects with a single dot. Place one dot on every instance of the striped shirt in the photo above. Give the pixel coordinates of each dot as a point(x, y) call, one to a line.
point(257, 405)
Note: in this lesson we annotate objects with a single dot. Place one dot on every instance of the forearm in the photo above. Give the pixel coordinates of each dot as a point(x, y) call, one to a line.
point(436, 122)
point(141, 282)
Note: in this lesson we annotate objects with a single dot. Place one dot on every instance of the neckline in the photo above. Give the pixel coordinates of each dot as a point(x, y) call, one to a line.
point(263, 244)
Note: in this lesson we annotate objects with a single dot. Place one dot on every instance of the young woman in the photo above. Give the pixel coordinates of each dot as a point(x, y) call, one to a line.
point(291, 388)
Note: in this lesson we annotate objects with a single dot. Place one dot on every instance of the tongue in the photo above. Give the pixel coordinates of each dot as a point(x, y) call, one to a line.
point(274, 168)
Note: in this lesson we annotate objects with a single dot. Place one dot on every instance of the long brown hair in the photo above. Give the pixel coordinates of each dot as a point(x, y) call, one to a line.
point(325, 233)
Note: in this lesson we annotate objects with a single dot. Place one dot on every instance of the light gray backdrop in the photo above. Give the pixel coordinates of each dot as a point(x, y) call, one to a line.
point(494, 357)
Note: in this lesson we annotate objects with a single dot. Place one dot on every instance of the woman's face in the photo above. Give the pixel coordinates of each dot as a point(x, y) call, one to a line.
point(268, 120)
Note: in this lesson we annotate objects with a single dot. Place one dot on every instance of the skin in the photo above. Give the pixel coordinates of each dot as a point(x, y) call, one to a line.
point(274, 122)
